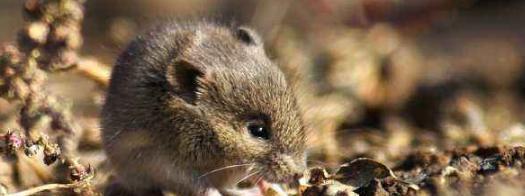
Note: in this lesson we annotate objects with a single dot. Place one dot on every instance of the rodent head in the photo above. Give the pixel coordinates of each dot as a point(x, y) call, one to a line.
point(226, 78)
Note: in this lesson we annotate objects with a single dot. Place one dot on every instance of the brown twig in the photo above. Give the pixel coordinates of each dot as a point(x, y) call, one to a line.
point(47, 187)
point(94, 70)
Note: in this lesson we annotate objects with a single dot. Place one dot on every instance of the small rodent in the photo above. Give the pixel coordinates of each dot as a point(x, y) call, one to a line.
point(196, 107)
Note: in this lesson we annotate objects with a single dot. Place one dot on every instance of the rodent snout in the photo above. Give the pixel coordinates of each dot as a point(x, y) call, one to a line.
point(284, 168)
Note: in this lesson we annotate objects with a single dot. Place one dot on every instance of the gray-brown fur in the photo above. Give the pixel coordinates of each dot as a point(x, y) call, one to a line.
point(163, 128)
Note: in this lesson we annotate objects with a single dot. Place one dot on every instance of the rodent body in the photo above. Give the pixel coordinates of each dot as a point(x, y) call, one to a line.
point(186, 99)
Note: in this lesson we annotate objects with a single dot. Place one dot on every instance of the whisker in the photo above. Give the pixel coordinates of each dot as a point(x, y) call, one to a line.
point(223, 168)
point(258, 180)
point(247, 176)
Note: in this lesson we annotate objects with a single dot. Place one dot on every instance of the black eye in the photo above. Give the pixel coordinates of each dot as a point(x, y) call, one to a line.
point(259, 130)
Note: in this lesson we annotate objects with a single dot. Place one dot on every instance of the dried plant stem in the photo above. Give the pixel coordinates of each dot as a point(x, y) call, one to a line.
point(47, 187)
point(48, 43)
point(94, 70)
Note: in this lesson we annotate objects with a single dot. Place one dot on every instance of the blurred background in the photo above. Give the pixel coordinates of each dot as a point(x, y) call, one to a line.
point(375, 78)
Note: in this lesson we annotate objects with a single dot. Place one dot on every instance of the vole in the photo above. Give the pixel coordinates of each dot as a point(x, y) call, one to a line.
point(196, 107)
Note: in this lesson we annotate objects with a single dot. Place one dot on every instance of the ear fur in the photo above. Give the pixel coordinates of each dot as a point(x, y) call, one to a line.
point(183, 78)
point(248, 36)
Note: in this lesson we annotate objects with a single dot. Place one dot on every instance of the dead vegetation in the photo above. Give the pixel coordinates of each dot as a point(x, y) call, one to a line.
point(395, 107)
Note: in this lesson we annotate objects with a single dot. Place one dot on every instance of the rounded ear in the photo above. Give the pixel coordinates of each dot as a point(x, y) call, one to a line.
point(183, 78)
point(248, 36)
